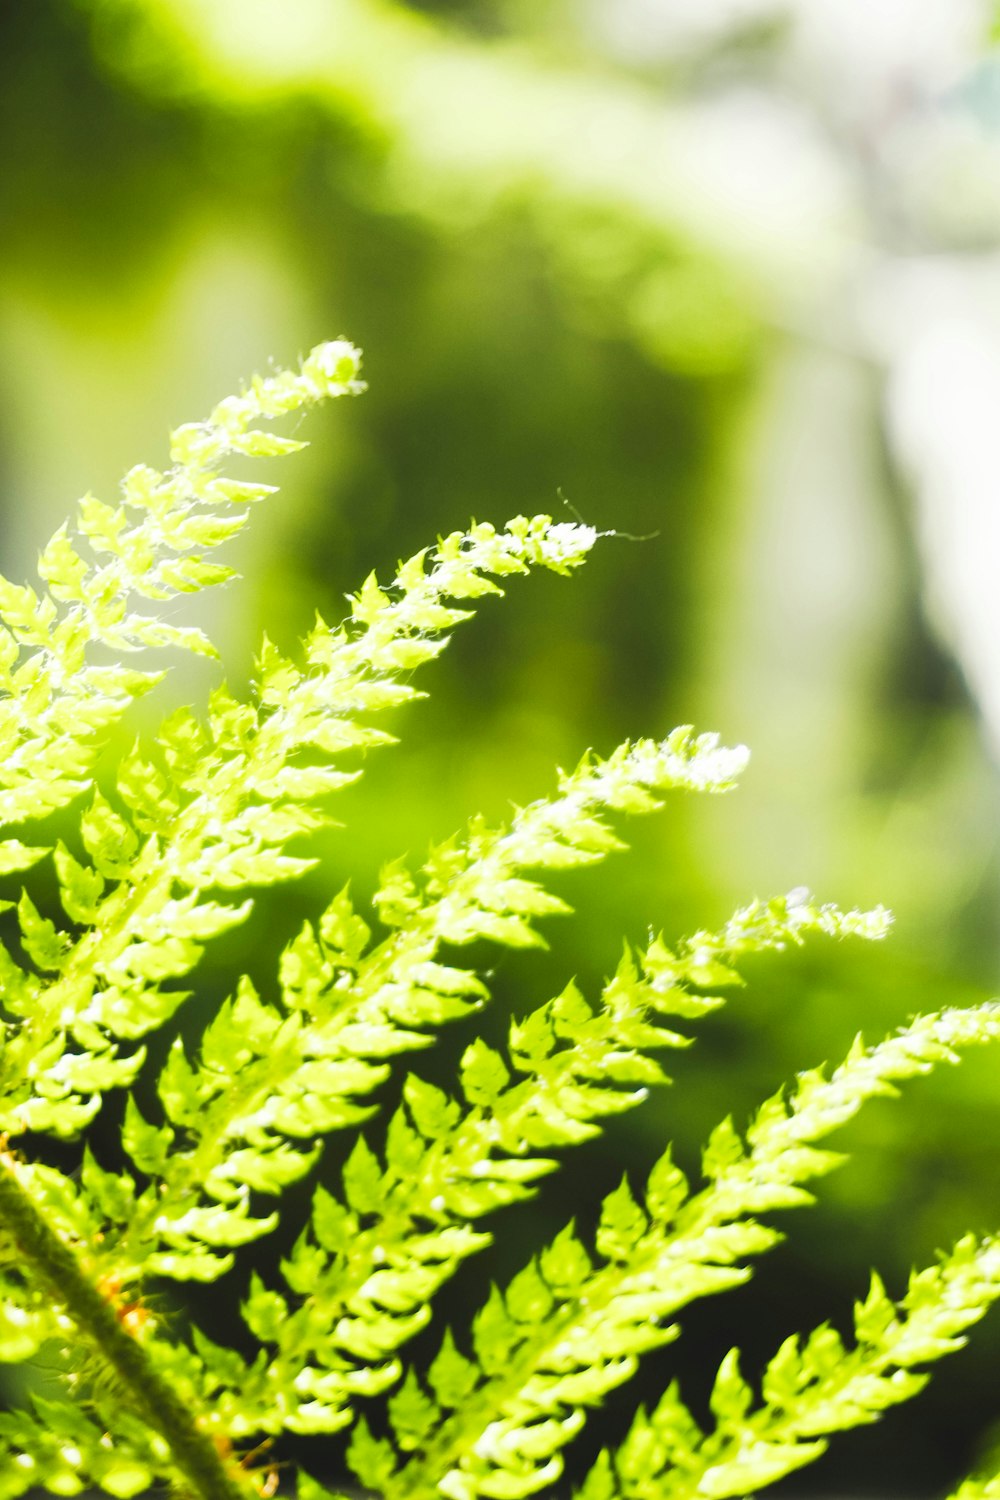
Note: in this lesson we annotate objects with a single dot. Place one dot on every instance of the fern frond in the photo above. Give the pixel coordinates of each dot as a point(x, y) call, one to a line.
point(56, 704)
point(566, 1332)
point(813, 1387)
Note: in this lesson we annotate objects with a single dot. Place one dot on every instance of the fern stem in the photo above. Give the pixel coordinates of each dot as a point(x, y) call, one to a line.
point(159, 1405)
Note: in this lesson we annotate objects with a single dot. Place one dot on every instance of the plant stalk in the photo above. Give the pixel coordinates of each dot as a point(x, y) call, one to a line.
point(59, 1267)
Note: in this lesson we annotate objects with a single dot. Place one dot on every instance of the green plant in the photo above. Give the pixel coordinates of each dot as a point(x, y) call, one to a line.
point(159, 866)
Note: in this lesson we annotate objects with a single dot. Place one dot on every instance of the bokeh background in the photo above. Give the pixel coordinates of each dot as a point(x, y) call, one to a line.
point(724, 275)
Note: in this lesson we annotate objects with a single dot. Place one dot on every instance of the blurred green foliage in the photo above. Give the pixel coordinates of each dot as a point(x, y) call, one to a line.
point(554, 302)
